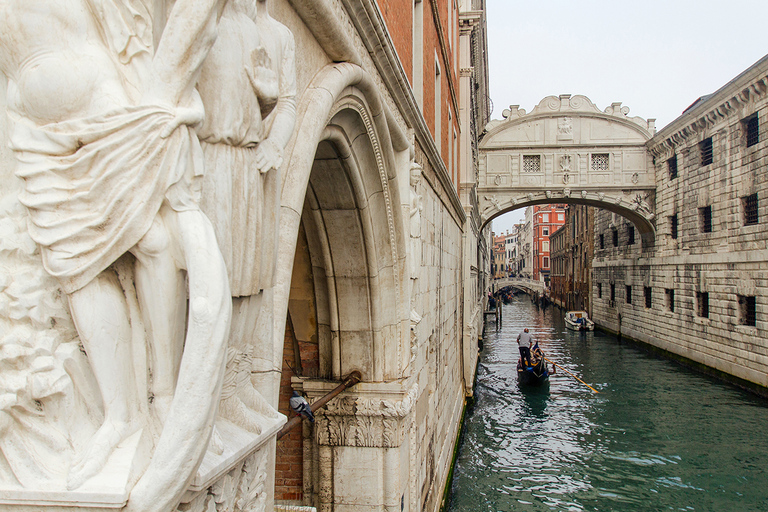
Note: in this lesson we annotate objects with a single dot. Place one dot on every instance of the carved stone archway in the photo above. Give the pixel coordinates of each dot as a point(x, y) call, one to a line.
point(568, 151)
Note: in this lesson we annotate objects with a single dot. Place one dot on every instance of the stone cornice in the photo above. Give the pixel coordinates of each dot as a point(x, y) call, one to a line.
point(751, 84)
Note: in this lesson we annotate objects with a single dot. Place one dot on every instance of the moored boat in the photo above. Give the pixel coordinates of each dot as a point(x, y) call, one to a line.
point(579, 321)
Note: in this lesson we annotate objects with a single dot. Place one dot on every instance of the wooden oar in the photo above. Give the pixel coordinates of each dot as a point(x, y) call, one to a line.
point(572, 375)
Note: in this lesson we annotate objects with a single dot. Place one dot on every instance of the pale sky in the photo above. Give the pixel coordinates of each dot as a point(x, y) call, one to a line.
point(655, 56)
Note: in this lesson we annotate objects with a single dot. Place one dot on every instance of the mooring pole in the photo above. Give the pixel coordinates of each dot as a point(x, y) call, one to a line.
point(352, 379)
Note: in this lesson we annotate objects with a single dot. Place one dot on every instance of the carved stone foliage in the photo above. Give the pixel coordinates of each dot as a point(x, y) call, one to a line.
point(243, 489)
point(368, 422)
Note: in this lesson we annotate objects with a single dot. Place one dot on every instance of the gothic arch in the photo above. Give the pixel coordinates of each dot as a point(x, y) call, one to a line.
point(340, 185)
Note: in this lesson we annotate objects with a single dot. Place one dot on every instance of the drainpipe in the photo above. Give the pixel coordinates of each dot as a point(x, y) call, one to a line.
point(352, 379)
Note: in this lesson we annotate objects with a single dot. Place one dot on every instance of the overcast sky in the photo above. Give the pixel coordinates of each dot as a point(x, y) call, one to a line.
point(655, 56)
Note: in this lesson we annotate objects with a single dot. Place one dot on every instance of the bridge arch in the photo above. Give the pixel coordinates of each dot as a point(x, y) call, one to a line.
point(568, 151)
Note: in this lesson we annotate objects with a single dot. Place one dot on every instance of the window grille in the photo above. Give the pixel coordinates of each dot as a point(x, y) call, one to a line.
point(673, 226)
point(750, 209)
point(615, 238)
point(599, 290)
point(602, 241)
point(672, 167)
point(752, 129)
point(702, 300)
point(705, 149)
point(748, 310)
point(600, 162)
point(670, 294)
point(647, 293)
point(630, 235)
point(705, 216)
point(531, 163)
point(629, 294)
point(613, 292)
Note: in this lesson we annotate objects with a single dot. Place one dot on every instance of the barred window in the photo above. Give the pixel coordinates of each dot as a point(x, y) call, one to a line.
point(600, 162)
point(531, 163)
point(705, 149)
point(599, 290)
point(630, 235)
point(669, 293)
point(752, 130)
point(747, 310)
point(702, 304)
point(647, 293)
point(602, 241)
point(629, 294)
point(673, 226)
point(613, 292)
point(749, 203)
point(705, 219)
point(672, 167)
point(615, 238)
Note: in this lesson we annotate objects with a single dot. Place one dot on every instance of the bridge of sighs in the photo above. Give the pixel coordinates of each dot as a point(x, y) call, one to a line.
point(569, 151)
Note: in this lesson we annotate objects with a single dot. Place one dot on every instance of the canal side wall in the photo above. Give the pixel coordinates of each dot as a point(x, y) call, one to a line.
point(700, 292)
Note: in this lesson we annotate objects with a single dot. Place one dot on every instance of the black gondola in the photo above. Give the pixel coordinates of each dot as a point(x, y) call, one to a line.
point(533, 375)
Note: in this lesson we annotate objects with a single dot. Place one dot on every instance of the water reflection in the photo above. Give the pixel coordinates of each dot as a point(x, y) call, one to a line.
point(656, 437)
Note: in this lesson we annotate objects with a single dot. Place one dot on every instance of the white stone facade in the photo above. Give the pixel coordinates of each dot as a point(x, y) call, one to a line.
point(716, 273)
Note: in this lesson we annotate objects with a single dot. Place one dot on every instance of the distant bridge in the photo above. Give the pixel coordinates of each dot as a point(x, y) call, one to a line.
point(527, 285)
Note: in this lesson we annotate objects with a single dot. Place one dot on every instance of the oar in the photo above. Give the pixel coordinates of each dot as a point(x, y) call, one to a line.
point(572, 375)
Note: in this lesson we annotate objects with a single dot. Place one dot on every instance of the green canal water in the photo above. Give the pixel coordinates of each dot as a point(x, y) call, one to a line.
point(657, 437)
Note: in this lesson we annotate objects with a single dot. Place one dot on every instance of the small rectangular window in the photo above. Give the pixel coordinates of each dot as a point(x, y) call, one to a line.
point(613, 292)
point(545, 231)
point(600, 161)
point(705, 219)
point(599, 290)
point(615, 238)
point(531, 163)
point(630, 235)
point(749, 204)
point(672, 167)
point(747, 310)
point(602, 241)
point(702, 304)
point(546, 262)
point(629, 294)
point(648, 298)
point(705, 150)
point(673, 226)
point(669, 294)
point(752, 130)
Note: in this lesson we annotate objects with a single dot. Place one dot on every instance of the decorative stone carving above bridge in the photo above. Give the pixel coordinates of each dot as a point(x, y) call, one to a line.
point(569, 151)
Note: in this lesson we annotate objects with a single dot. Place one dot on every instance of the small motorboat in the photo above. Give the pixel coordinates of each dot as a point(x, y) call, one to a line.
point(537, 373)
point(579, 321)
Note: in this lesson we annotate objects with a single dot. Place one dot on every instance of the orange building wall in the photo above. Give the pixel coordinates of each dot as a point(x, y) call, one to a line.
point(398, 15)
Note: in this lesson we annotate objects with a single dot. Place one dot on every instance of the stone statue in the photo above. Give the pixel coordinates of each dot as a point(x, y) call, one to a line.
point(248, 87)
point(101, 113)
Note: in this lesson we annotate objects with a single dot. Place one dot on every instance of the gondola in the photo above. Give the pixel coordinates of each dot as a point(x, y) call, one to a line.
point(535, 375)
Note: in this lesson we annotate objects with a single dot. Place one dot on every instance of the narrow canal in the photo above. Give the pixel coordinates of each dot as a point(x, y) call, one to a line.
point(656, 437)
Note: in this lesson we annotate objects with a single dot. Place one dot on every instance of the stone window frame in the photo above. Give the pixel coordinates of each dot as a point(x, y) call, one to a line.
point(705, 219)
point(672, 167)
point(630, 234)
point(669, 297)
point(750, 126)
point(628, 292)
point(599, 290)
point(648, 295)
point(702, 304)
point(531, 158)
point(602, 241)
point(613, 292)
point(750, 209)
point(615, 236)
point(747, 310)
point(600, 162)
point(673, 224)
point(706, 152)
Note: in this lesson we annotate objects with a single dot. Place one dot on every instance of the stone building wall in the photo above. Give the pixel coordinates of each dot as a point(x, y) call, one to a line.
point(695, 293)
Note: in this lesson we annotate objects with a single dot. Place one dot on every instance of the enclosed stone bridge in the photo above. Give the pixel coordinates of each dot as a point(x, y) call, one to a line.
point(529, 286)
point(569, 151)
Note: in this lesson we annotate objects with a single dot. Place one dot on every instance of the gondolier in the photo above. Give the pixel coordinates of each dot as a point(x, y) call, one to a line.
point(524, 340)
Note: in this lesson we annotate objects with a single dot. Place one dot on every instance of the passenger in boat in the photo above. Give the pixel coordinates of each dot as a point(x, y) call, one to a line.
point(536, 351)
point(524, 340)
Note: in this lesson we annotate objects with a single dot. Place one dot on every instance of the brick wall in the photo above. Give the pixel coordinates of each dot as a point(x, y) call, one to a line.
point(289, 468)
